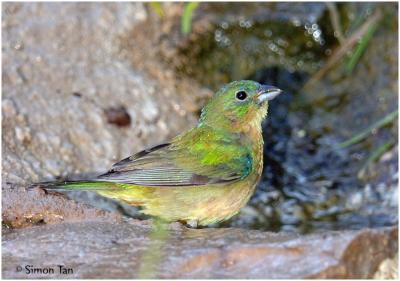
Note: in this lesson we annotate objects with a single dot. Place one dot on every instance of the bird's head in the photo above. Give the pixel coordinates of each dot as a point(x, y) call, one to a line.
point(238, 105)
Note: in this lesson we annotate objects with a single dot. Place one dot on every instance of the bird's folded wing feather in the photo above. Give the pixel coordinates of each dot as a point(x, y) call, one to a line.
point(170, 165)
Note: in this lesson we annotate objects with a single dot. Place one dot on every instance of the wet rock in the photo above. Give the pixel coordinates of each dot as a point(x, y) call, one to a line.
point(241, 41)
point(232, 41)
point(115, 250)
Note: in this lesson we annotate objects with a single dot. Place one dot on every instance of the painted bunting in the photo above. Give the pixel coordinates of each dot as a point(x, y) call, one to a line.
point(203, 176)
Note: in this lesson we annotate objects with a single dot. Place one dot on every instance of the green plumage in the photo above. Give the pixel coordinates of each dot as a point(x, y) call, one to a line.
point(204, 175)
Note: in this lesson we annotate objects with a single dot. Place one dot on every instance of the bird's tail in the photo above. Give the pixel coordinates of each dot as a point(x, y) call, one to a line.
point(131, 194)
point(76, 185)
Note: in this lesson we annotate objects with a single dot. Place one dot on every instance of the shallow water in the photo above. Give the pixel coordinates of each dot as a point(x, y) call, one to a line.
point(309, 183)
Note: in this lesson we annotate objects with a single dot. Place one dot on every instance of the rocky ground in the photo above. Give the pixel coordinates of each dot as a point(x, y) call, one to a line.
point(75, 102)
point(113, 250)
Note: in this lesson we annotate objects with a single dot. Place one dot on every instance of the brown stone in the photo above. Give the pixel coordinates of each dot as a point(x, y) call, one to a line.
point(115, 250)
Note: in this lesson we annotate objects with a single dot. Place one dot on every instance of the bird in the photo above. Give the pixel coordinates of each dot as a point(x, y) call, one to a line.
point(202, 176)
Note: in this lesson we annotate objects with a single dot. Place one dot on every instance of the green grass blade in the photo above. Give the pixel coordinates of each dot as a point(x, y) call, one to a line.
point(365, 133)
point(355, 57)
point(157, 8)
point(375, 156)
point(186, 21)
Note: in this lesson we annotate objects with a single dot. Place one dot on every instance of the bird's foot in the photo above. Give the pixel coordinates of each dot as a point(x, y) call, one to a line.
point(192, 223)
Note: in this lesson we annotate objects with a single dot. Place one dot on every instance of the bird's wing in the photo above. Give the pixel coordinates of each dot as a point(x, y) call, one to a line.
point(169, 165)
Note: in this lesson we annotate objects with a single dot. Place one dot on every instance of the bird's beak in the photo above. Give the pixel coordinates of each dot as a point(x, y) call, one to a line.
point(267, 93)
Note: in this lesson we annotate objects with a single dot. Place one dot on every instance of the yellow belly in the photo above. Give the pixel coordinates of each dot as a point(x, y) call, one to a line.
point(204, 204)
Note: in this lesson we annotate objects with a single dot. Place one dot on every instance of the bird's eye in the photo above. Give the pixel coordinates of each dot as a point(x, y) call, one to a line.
point(241, 95)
